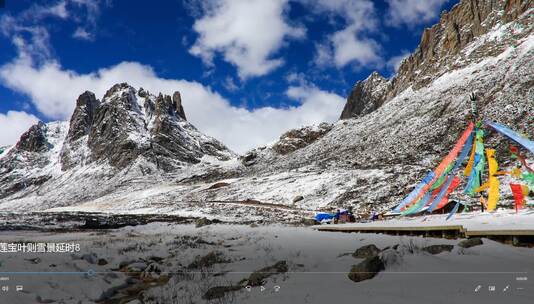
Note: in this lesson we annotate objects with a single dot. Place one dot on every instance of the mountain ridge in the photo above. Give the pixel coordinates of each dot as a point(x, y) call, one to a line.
point(127, 128)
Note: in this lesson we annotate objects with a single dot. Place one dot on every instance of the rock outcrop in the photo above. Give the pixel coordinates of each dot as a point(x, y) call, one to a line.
point(299, 138)
point(81, 122)
point(118, 134)
point(366, 269)
point(34, 140)
point(28, 164)
point(82, 117)
point(178, 108)
point(366, 96)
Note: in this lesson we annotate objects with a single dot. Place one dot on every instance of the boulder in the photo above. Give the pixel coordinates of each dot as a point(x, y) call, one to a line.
point(208, 260)
point(136, 267)
point(202, 222)
point(257, 277)
point(90, 258)
point(437, 249)
point(219, 291)
point(218, 185)
point(366, 269)
point(298, 198)
point(366, 252)
point(249, 158)
point(471, 242)
point(296, 139)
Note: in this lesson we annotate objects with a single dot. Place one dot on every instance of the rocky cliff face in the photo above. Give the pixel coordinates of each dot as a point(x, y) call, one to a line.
point(83, 116)
point(440, 50)
point(118, 133)
point(178, 108)
point(441, 45)
point(34, 140)
point(366, 96)
point(80, 126)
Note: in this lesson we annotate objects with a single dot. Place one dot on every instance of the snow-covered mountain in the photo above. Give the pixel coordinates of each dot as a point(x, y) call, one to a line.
point(135, 152)
point(128, 134)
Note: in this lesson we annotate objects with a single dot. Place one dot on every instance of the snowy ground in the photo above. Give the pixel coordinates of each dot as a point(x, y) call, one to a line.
point(318, 263)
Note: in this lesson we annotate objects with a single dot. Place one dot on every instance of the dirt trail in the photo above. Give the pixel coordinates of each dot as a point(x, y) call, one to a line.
point(252, 203)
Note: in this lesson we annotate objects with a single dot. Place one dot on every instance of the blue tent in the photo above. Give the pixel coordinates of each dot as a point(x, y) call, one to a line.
point(323, 216)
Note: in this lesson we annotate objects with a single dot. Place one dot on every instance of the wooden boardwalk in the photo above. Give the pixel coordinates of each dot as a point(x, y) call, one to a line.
point(519, 237)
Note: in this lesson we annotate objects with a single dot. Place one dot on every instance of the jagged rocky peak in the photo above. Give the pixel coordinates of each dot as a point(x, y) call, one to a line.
point(170, 106)
point(162, 103)
point(177, 101)
point(80, 126)
point(83, 115)
point(123, 95)
point(149, 105)
point(366, 96)
point(118, 132)
point(129, 124)
point(165, 106)
point(143, 93)
point(34, 140)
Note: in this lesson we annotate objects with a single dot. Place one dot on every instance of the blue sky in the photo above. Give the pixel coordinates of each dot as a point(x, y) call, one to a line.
point(247, 70)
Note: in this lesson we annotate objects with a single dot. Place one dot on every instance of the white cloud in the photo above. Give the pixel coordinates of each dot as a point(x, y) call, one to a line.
point(58, 10)
point(82, 34)
point(248, 33)
point(412, 12)
point(295, 78)
point(29, 34)
point(316, 105)
point(394, 62)
point(323, 54)
point(348, 47)
point(88, 24)
point(350, 44)
point(53, 90)
point(36, 12)
point(13, 124)
point(229, 84)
